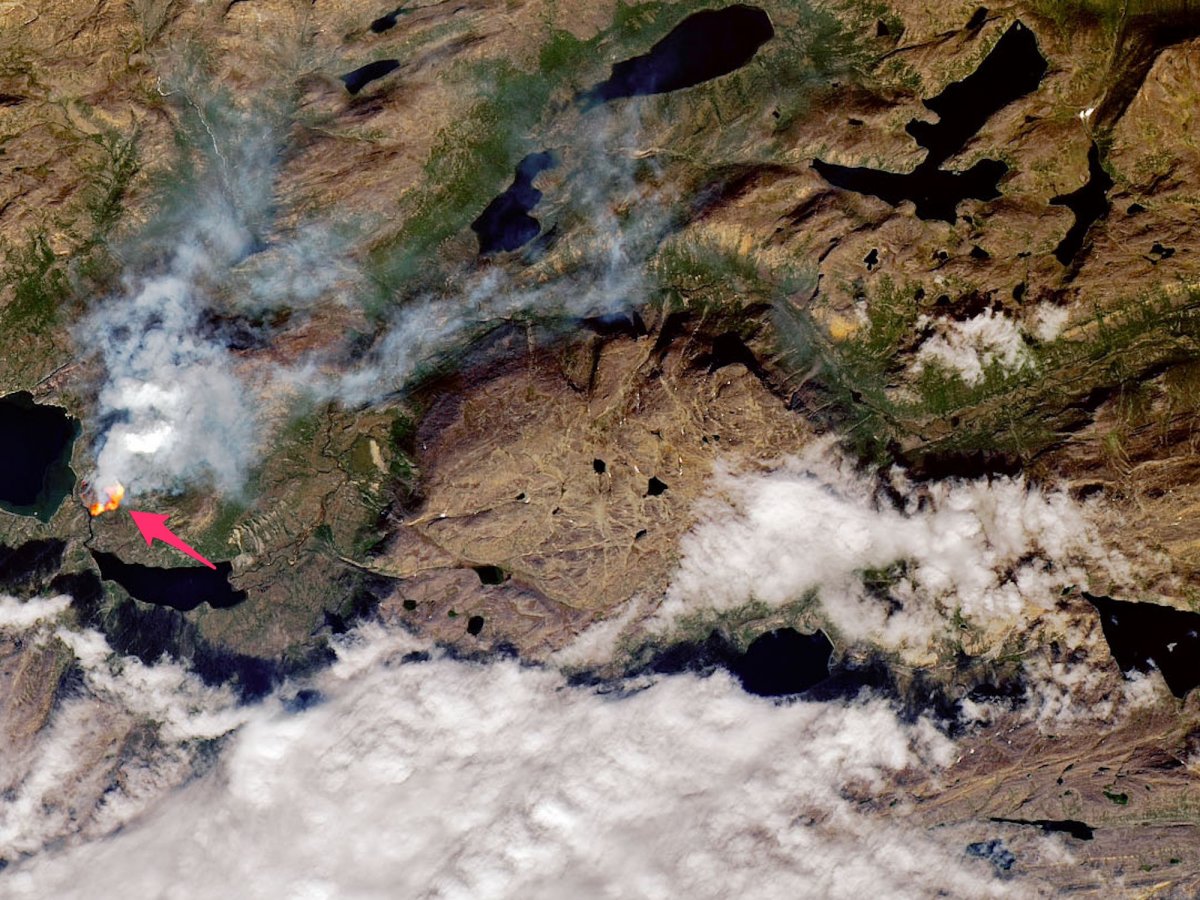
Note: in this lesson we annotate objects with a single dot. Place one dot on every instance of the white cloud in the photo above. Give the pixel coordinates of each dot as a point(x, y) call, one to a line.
point(19, 615)
point(1049, 321)
point(969, 348)
point(598, 643)
point(986, 548)
point(449, 779)
point(77, 776)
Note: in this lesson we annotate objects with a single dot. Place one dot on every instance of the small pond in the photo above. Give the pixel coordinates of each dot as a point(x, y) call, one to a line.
point(362, 76)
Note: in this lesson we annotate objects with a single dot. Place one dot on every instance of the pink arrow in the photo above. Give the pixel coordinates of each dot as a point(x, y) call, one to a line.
point(154, 526)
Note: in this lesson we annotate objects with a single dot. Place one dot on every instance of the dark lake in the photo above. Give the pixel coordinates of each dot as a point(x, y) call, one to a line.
point(388, 21)
point(1079, 830)
point(993, 851)
point(505, 224)
point(703, 46)
point(1089, 203)
point(623, 322)
point(148, 632)
point(362, 76)
point(935, 193)
point(183, 588)
point(776, 664)
point(1142, 636)
point(35, 456)
point(1013, 68)
point(782, 662)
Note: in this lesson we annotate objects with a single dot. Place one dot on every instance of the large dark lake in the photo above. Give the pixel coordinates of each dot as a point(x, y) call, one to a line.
point(35, 456)
point(183, 588)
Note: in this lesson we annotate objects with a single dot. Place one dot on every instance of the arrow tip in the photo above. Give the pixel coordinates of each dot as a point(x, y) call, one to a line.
point(151, 525)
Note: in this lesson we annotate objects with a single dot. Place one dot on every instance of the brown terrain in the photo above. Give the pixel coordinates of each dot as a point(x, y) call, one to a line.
point(514, 479)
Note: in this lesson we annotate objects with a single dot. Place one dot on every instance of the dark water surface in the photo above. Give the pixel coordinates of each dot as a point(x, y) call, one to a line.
point(1012, 69)
point(1143, 636)
point(388, 21)
point(182, 588)
point(703, 46)
point(993, 851)
point(935, 193)
point(783, 662)
point(778, 663)
point(1080, 830)
point(1089, 203)
point(622, 322)
point(491, 574)
point(149, 633)
point(362, 76)
point(35, 456)
point(505, 224)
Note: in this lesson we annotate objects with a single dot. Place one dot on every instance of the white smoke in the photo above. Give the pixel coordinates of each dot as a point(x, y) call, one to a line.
point(984, 550)
point(173, 409)
point(450, 779)
point(607, 255)
point(179, 412)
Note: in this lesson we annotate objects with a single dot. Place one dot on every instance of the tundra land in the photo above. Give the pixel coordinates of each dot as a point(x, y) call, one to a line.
point(479, 320)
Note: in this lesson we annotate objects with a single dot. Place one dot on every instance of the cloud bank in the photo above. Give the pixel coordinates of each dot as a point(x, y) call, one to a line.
point(983, 549)
point(440, 778)
point(81, 776)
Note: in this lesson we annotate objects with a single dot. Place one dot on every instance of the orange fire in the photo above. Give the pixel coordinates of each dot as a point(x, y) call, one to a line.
point(113, 496)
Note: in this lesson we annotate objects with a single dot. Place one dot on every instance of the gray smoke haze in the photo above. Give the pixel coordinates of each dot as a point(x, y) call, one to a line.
point(178, 408)
point(607, 254)
point(450, 779)
point(174, 409)
point(419, 332)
